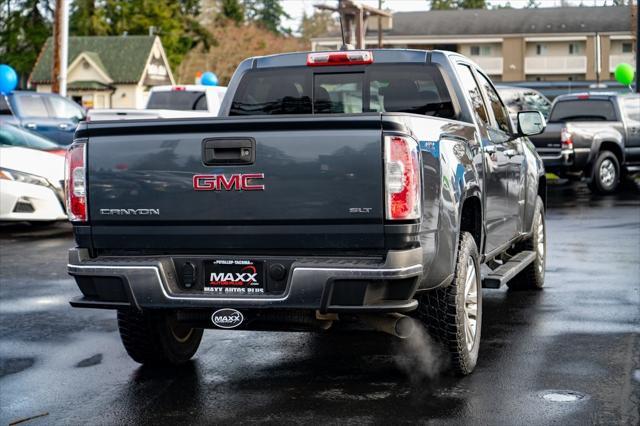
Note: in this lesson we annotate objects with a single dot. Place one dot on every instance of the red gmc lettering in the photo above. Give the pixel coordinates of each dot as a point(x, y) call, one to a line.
point(235, 182)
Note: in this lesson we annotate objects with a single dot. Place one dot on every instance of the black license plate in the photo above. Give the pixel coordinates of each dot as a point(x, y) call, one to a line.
point(234, 277)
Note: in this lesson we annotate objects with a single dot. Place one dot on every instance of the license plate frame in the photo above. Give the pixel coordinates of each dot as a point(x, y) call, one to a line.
point(234, 277)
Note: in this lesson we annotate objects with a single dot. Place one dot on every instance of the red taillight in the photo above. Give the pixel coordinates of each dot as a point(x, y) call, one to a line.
point(402, 178)
point(565, 139)
point(75, 183)
point(352, 57)
point(582, 97)
point(179, 88)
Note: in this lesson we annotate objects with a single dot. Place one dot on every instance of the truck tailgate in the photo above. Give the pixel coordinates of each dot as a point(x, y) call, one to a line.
point(322, 184)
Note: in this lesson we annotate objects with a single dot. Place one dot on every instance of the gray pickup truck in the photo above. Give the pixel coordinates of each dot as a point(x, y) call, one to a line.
point(596, 135)
point(336, 188)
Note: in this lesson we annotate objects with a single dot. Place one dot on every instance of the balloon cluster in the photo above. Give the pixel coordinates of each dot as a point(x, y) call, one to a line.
point(8, 79)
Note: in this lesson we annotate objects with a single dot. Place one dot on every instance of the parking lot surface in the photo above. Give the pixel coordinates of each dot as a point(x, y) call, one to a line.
point(569, 354)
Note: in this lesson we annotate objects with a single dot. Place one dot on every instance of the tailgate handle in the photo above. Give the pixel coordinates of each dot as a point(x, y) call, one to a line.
point(229, 151)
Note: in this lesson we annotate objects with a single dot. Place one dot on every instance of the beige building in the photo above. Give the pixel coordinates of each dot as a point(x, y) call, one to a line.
point(537, 44)
point(107, 72)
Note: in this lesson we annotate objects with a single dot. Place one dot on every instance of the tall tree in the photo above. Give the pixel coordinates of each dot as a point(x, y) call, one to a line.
point(532, 4)
point(316, 25)
point(267, 14)
point(472, 4)
point(25, 25)
point(443, 4)
point(172, 21)
point(231, 10)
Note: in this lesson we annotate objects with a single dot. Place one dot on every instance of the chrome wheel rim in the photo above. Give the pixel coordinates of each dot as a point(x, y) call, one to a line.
point(607, 172)
point(540, 247)
point(470, 304)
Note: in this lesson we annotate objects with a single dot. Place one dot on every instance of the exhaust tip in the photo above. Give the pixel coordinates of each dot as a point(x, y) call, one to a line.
point(398, 325)
point(404, 327)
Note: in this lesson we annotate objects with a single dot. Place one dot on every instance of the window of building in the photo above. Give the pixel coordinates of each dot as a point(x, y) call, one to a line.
point(627, 48)
point(541, 49)
point(576, 49)
point(480, 50)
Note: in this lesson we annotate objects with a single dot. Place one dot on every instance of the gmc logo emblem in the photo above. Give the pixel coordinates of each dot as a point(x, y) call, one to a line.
point(235, 182)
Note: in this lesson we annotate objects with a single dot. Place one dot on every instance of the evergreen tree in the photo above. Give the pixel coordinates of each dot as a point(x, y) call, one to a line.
point(232, 10)
point(267, 14)
point(443, 4)
point(25, 26)
point(472, 4)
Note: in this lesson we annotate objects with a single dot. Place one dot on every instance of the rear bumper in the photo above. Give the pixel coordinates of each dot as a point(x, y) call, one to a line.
point(327, 285)
point(566, 160)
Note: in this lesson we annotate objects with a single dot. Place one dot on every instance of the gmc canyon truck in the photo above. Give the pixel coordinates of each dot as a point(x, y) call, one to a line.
point(595, 135)
point(336, 187)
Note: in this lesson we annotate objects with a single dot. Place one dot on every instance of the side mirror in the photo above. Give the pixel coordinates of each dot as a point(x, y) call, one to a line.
point(530, 123)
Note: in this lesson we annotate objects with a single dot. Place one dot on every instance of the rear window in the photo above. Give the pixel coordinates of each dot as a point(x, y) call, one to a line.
point(31, 106)
point(4, 106)
point(588, 110)
point(182, 100)
point(418, 89)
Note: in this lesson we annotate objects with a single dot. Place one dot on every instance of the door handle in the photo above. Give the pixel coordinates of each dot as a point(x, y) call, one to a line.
point(64, 126)
point(490, 149)
point(228, 151)
point(31, 126)
point(511, 152)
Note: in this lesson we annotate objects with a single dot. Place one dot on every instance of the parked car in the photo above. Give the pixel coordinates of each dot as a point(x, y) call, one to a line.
point(31, 185)
point(335, 186)
point(53, 116)
point(11, 135)
point(170, 102)
point(522, 99)
point(596, 135)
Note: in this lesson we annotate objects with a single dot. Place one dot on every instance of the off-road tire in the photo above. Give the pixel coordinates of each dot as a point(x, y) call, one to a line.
point(600, 181)
point(442, 310)
point(532, 277)
point(155, 338)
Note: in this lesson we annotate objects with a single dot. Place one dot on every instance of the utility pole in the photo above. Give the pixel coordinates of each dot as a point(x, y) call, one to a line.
point(637, 25)
point(60, 47)
point(354, 16)
point(379, 25)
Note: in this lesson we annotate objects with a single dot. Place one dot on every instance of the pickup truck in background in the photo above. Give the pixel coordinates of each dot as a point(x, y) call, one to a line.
point(336, 187)
point(595, 135)
point(183, 101)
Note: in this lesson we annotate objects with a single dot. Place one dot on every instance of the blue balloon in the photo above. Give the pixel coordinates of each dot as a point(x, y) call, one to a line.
point(209, 79)
point(8, 79)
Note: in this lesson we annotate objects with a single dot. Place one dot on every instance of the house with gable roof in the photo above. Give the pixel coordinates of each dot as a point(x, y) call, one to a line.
point(107, 71)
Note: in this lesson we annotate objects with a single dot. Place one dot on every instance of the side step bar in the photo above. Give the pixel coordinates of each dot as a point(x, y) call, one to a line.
point(510, 269)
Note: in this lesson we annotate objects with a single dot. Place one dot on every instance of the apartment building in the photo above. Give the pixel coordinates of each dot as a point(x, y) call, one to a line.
point(537, 44)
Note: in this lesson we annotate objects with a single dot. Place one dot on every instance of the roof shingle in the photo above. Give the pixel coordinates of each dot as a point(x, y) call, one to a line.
point(122, 57)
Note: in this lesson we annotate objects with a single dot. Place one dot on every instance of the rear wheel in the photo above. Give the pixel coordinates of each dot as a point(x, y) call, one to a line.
point(605, 176)
point(157, 337)
point(453, 314)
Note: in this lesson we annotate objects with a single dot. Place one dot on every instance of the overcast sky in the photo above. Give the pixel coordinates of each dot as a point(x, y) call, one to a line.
point(295, 8)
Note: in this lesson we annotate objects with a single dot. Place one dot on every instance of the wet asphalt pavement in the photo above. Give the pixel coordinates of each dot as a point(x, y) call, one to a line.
point(580, 334)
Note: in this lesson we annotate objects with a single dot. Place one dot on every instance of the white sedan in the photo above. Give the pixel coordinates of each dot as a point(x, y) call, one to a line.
point(31, 185)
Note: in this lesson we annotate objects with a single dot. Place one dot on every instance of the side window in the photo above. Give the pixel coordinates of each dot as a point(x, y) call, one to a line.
point(63, 108)
point(473, 91)
point(499, 110)
point(632, 108)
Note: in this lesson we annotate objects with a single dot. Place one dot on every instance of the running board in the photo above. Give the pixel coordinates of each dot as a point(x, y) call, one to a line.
point(502, 274)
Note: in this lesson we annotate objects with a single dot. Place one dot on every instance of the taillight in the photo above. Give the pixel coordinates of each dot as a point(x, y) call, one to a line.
point(565, 139)
point(351, 57)
point(178, 88)
point(75, 183)
point(402, 178)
